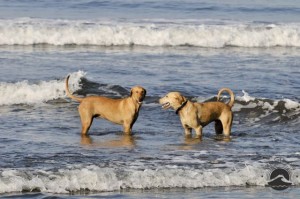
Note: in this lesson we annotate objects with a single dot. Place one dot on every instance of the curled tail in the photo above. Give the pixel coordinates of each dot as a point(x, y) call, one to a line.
point(230, 93)
point(68, 91)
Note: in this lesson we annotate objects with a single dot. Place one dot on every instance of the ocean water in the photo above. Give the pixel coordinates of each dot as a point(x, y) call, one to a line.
point(195, 47)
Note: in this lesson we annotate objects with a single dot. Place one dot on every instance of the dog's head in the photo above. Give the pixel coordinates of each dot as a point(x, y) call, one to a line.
point(172, 99)
point(138, 93)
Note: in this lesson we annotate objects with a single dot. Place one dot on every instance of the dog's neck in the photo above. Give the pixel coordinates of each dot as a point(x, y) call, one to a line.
point(180, 107)
point(136, 101)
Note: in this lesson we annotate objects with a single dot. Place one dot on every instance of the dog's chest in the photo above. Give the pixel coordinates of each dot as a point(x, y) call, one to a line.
point(189, 118)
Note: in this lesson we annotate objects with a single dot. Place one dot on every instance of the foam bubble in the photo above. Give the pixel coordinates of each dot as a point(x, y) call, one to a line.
point(26, 93)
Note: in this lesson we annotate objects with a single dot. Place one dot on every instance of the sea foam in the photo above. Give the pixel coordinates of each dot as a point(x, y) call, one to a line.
point(64, 32)
point(94, 178)
point(24, 92)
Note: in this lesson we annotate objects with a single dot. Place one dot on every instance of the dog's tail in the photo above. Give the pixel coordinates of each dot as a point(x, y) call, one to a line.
point(231, 102)
point(68, 91)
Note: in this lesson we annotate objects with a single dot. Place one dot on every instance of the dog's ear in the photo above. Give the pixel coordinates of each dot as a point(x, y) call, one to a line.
point(131, 92)
point(181, 99)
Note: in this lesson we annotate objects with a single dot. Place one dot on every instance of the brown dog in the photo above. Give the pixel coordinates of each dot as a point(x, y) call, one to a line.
point(119, 111)
point(197, 115)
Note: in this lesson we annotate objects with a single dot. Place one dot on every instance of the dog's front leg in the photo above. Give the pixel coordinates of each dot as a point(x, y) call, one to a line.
point(199, 132)
point(187, 130)
point(127, 128)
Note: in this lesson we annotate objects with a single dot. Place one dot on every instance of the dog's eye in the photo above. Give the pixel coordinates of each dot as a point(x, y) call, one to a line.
point(166, 96)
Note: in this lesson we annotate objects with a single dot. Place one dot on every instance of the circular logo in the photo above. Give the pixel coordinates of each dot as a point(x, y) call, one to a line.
point(280, 179)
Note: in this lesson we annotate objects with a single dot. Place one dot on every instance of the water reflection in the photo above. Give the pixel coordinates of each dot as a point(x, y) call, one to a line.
point(119, 142)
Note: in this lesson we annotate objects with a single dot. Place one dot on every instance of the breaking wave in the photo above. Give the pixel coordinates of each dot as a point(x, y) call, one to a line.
point(97, 179)
point(267, 110)
point(67, 32)
point(24, 92)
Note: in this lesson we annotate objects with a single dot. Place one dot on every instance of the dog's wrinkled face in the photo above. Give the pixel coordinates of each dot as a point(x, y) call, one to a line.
point(138, 93)
point(172, 99)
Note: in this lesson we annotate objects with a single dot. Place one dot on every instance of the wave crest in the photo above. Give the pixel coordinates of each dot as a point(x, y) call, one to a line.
point(94, 178)
point(64, 32)
point(25, 93)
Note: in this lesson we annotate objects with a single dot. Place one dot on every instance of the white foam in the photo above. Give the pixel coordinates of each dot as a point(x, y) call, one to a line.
point(99, 179)
point(26, 93)
point(253, 102)
point(267, 106)
point(289, 104)
point(62, 32)
point(246, 97)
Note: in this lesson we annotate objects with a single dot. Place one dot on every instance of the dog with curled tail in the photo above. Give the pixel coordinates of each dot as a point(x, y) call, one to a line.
point(195, 115)
point(123, 111)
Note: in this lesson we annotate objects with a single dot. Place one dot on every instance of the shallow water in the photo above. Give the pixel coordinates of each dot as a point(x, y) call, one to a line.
point(234, 192)
point(41, 147)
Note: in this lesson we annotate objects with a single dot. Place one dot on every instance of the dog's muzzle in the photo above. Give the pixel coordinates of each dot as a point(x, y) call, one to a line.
point(141, 99)
point(166, 105)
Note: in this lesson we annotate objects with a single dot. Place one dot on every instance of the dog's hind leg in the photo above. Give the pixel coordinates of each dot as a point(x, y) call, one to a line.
point(218, 127)
point(86, 120)
point(227, 123)
point(86, 124)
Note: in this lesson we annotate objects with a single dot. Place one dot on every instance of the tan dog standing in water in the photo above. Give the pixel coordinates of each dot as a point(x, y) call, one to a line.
point(119, 111)
point(198, 115)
